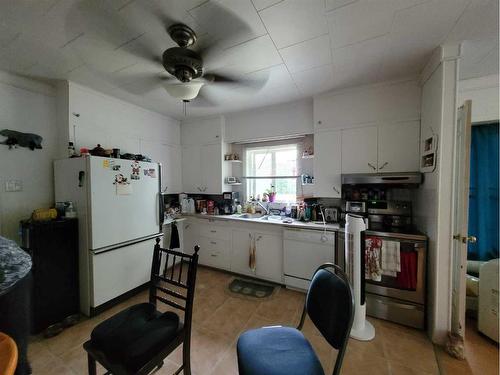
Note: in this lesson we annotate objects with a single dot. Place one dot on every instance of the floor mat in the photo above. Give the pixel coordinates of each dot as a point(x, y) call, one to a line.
point(251, 288)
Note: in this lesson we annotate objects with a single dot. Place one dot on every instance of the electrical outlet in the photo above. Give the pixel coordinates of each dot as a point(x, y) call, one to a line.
point(13, 185)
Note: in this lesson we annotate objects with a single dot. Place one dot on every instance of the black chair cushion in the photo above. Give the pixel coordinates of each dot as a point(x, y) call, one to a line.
point(276, 351)
point(135, 335)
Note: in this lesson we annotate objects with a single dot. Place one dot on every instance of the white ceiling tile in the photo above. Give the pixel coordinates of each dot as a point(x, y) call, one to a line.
point(364, 19)
point(480, 64)
point(293, 21)
point(251, 56)
point(309, 54)
point(480, 20)
point(20, 15)
point(262, 4)
point(359, 63)
point(230, 22)
point(98, 55)
point(360, 21)
point(429, 22)
point(7, 36)
point(315, 80)
point(276, 76)
point(334, 4)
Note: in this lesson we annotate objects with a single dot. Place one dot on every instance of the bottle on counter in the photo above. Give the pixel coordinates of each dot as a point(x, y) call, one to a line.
point(71, 150)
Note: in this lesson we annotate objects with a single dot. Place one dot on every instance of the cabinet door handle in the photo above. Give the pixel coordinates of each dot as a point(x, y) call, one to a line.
point(335, 189)
point(372, 166)
point(198, 188)
point(213, 231)
point(213, 242)
point(383, 165)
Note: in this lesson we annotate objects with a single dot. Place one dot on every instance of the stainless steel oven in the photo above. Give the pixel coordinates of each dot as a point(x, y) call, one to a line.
point(401, 297)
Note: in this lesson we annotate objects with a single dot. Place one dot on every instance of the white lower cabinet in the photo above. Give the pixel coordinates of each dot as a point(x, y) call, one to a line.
point(242, 246)
point(228, 246)
point(269, 257)
point(214, 253)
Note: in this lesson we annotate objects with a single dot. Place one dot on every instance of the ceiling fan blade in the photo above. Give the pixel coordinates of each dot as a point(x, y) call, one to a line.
point(224, 26)
point(203, 100)
point(97, 17)
point(140, 83)
point(243, 81)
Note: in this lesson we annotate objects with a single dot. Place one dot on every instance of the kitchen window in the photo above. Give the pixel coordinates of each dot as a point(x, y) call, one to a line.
point(272, 168)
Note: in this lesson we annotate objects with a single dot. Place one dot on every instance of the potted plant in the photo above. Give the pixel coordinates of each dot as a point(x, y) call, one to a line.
point(270, 194)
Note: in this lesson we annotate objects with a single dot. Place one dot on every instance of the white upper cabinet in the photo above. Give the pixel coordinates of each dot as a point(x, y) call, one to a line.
point(203, 150)
point(172, 170)
point(191, 169)
point(211, 169)
point(392, 147)
point(201, 131)
point(398, 147)
point(359, 150)
point(327, 164)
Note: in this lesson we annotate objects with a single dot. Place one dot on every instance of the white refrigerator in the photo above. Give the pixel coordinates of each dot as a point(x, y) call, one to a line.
point(120, 216)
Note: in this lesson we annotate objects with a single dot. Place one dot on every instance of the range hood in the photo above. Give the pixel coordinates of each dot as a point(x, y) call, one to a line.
point(407, 178)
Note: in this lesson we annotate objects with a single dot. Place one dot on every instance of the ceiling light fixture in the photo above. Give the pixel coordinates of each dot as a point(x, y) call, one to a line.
point(184, 91)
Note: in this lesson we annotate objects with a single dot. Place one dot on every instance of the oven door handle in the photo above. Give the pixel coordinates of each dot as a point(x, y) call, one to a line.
point(399, 305)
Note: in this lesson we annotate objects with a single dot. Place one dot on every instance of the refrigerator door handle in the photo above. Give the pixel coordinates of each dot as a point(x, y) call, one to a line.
point(161, 210)
point(81, 178)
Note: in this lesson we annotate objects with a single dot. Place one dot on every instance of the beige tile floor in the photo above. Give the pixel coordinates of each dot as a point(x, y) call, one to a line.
point(219, 318)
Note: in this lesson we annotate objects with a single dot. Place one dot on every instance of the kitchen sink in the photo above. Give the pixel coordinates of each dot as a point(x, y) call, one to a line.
point(249, 216)
point(271, 218)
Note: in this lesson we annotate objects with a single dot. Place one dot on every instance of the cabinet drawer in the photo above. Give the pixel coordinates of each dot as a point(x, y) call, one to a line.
point(214, 252)
point(215, 232)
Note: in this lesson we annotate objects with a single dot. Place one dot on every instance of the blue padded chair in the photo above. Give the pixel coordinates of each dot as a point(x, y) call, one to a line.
point(285, 350)
point(137, 339)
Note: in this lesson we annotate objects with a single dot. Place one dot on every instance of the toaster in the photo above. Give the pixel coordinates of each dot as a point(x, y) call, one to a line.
point(331, 214)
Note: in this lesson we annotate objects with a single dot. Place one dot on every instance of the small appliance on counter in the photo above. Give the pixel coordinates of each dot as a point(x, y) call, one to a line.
point(230, 202)
point(331, 214)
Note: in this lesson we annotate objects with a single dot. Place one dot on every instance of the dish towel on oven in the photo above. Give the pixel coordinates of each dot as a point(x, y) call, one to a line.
point(390, 258)
point(407, 278)
point(372, 258)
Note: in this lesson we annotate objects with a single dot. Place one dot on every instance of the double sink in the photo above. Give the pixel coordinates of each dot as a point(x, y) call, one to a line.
point(258, 217)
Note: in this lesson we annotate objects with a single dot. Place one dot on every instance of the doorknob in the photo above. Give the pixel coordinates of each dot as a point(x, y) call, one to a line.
point(469, 239)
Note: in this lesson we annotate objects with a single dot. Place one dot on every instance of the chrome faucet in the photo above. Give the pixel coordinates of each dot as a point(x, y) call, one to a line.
point(266, 209)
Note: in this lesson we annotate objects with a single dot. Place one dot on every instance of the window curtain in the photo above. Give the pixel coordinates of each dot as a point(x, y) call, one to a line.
point(483, 196)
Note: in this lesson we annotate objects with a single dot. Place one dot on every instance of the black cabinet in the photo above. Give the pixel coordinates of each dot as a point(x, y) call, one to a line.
point(53, 246)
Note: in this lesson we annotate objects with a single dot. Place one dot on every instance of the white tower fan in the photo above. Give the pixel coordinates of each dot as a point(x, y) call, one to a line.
point(362, 329)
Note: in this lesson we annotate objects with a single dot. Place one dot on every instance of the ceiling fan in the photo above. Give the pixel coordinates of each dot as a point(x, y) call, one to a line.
point(184, 63)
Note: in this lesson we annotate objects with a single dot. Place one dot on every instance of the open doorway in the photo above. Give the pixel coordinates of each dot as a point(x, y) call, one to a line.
point(475, 302)
point(481, 334)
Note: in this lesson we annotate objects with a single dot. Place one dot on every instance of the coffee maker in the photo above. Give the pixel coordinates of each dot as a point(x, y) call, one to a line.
point(229, 201)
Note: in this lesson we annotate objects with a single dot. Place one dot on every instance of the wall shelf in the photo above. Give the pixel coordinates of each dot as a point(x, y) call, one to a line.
point(234, 161)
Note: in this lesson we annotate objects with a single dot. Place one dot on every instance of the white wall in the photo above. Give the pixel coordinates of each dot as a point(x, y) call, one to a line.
point(26, 106)
point(282, 120)
point(433, 208)
point(114, 123)
point(483, 92)
point(368, 105)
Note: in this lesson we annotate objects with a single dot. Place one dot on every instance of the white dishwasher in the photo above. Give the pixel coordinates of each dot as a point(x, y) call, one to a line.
point(304, 251)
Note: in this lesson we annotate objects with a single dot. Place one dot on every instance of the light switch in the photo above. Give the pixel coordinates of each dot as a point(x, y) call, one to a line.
point(13, 185)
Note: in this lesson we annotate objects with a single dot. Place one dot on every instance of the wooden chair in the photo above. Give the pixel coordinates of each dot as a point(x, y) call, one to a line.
point(139, 338)
point(8, 355)
point(284, 350)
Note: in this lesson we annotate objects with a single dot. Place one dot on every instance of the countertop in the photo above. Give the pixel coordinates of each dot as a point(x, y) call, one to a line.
point(310, 225)
point(313, 225)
